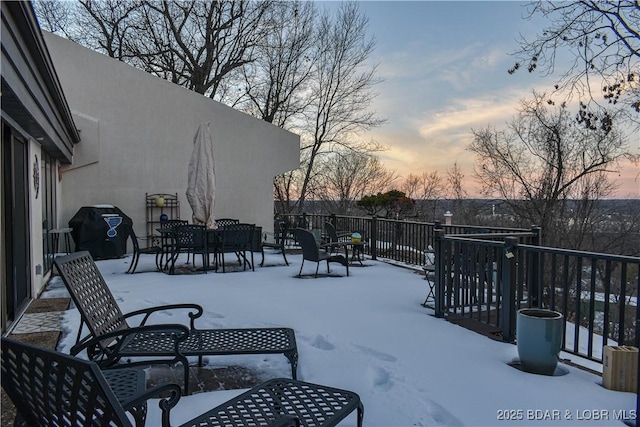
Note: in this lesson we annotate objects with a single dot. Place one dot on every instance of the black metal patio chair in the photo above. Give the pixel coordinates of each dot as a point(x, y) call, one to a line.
point(189, 239)
point(277, 240)
point(223, 222)
point(49, 388)
point(429, 269)
point(111, 337)
point(238, 239)
point(166, 243)
point(311, 251)
point(154, 248)
point(170, 223)
point(333, 236)
point(258, 243)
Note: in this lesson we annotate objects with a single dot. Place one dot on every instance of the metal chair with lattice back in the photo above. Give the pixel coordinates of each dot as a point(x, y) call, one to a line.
point(166, 242)
point(111, 337)
point(49, 388)
point(276, 240)
point(223, 222)
point(154, 248)
point(429, 269)
point(190, 239)
point(334, 236)
point(238, 239)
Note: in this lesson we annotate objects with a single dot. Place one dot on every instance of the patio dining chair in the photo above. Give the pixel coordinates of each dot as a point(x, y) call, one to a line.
point(256, 243)
point(279, 239)
point(238, 239)
point(259, 242)
point(334, 236)
point(283, 232)
point(111, 338)
point(311, 251)
point(223, 222)
point(429, 269)
point(166, 243)
point(155, 248)
point(49, 388)
point(169, 223)
point(189, 239)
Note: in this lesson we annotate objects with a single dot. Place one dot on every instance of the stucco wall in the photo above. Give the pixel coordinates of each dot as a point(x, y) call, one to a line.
point(137, 135)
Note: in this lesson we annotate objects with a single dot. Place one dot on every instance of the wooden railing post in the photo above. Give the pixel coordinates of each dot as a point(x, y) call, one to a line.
point(440, 269)
point(374, 237)
point(508, 306)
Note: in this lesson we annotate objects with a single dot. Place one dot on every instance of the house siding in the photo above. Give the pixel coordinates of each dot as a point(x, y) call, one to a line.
point(31, 95)
point(36, 122)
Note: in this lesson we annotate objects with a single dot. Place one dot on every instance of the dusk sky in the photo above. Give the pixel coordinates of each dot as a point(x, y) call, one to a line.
point(444, 66)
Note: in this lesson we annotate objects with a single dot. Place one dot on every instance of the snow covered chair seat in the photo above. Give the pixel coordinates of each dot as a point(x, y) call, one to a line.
point(111, 338)
point(51, 388)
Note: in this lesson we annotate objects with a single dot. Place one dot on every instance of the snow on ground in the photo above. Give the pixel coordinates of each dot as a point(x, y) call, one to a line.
point(367, 333)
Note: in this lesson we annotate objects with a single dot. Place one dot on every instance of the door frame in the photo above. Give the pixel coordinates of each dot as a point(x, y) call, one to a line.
point(15, 223)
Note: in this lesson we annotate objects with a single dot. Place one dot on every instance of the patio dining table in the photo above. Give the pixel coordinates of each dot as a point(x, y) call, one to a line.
point(213, 246)
point(168, 244)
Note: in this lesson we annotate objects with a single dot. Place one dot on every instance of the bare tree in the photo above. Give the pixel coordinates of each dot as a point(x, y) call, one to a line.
point(455, 177)
point(196, 44)
point(428, 185)
point(109, 26)
point(465, 211)
point(342, 89)
point(348, 175)
point(276, 82)
point(425, 189)
point(286, 190)
point(600, 39)
point(55, 16)
point(544, 160)
point(200, 43)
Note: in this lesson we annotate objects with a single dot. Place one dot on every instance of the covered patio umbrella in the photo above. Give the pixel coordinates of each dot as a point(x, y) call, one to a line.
point(202, 178)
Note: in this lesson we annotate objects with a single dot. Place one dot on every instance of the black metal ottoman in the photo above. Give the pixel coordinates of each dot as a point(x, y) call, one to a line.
point(312, 404)
point(128, 384)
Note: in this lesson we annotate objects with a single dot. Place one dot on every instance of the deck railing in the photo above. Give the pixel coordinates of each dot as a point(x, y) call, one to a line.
point(402, 241)
point(486, 274)
point(488, 280)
